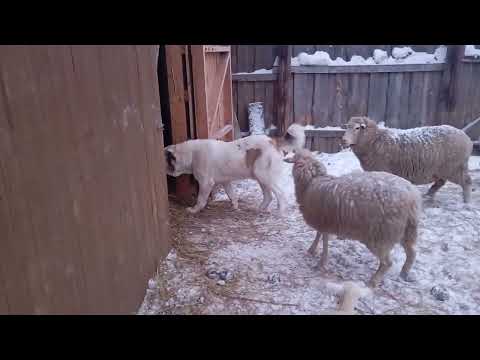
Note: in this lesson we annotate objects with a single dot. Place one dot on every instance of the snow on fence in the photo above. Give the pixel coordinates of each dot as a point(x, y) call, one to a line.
point(402, 94)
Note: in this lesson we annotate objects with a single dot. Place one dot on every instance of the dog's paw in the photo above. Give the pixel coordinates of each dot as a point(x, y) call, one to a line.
point(191, 210)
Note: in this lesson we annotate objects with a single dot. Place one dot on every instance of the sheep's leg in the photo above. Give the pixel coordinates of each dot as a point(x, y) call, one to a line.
point(231, 194)
point(203, 194)
point(385, 264)
point(411, 255)
point(324, 256)
point(467, 187)
point(267, 196)
point(408, 244)
point(314, 245)
point(435, 187)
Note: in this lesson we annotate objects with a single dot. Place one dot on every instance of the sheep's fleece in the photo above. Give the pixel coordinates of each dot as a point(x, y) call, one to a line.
point(377, 208)
point(421, 155)
point(214, 162)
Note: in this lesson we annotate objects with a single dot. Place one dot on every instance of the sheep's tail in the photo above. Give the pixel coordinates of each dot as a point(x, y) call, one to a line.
point(410, 234)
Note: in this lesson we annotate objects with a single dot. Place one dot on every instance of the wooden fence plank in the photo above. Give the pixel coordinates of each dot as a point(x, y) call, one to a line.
point(254, 77)
point(16, 229)
point(321, 100)
point(245, 96)
point(404, 101)
point(377, 96)
point(394, 92)
point(358, 95)
point(264, 56)
point(303, 94)
point(325, 69)
point(340, 110)
point(416, 101)
point(468, 99)
point(475, 103)
point(432, 87)
point(268, 107)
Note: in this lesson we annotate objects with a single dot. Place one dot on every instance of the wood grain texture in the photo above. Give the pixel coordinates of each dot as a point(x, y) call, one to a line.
point(84, 190)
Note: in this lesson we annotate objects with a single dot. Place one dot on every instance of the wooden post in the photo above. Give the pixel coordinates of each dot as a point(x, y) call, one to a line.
point(283, 88)
point(449, 86)
point(185, 187)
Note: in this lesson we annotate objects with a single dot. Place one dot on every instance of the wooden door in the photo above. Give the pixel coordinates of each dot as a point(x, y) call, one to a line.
point(212, 82)
point(200, 99)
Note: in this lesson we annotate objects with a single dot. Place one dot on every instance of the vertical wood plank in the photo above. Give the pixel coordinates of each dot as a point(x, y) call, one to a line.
point(321, 100)
point(340, 111)
point(417, 101)
point(394, 108)
point(404, 101)
point(303, 94)
point(268, 106)
point(377, 97)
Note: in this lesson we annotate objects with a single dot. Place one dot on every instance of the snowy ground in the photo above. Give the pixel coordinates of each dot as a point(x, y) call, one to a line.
point(267, 269)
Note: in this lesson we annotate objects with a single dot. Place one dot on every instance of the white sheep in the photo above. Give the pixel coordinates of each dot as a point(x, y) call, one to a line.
point(376, 208)
point(422, 155)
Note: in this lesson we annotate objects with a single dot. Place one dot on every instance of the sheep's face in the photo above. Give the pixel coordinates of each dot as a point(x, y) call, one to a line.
point(178, 161)
point(359, 130)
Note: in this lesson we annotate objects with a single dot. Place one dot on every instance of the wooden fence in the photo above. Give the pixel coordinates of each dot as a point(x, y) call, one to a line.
point(83, 200)
point(402, 96)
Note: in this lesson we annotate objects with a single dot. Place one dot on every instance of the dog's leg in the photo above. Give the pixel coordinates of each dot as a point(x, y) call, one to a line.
point(231, 194)
point(267, 196)
point(205, 189)
point(281, 199)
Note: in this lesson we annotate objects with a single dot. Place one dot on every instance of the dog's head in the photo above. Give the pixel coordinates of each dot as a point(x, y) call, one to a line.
point(294, 138)
point(178, 160)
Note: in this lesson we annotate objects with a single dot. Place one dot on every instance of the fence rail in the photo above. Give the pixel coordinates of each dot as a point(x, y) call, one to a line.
point(402, 96)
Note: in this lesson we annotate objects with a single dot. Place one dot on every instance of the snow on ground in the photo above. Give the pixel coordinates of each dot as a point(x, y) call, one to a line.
point(470, 50)
point(267, 269)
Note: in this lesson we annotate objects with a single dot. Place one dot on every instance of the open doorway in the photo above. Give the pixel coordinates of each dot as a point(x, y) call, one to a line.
point(178, 110)
point(196, 87)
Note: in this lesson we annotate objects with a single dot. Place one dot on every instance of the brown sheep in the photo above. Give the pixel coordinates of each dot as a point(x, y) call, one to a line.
point(376, 208)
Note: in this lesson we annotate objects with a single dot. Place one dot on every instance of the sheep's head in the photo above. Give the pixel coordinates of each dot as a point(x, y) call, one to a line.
point(359, 131)
point(305, 166)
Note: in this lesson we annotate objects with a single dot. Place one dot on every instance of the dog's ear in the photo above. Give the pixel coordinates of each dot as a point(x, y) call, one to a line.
point(170, 158)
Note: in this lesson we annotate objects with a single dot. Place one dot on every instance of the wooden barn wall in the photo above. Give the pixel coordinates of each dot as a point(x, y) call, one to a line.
point(400, 99)
point(83, 200)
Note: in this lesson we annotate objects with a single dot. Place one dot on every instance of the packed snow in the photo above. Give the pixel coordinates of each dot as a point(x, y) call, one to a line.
point(243, 261)
point(400, 55)
point(470, 50)
point(255, 118)
point(259, 71)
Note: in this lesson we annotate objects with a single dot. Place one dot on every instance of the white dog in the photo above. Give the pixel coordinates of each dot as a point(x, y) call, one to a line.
point(214, 162)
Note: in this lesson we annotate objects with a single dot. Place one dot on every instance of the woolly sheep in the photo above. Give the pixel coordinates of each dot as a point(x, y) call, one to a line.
point(421, 155)
point(376, 208)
